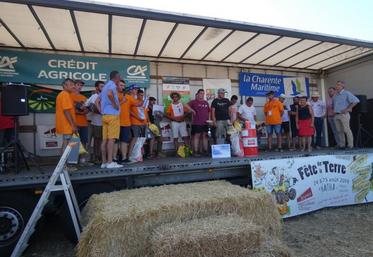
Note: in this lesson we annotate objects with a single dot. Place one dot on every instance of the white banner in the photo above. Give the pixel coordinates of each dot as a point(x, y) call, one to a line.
point(301, 185)
point(211, 87)
point(48, 139)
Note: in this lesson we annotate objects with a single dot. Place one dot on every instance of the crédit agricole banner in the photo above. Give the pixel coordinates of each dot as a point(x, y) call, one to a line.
point(52, 69)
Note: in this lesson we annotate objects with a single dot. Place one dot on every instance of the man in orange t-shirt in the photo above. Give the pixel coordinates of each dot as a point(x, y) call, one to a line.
point(80, 112)
point(139, 118)
point(273, 111)
point(126, 102)
point(65, 112)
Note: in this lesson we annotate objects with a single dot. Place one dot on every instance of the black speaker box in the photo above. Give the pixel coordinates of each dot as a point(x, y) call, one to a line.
point(14, 100)
point(362, 107)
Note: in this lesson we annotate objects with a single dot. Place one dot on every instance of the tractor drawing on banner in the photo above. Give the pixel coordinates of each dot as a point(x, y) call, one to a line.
point(278, 184)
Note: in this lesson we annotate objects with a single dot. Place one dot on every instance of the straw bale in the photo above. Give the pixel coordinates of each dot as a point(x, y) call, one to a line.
point(120, 223)
point(217, 236)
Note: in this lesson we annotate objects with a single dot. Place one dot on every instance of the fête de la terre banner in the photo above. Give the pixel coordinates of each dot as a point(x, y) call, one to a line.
point(304, 184)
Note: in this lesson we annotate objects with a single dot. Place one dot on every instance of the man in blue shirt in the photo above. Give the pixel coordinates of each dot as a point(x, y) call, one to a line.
point(110, 107)
point(343, 102)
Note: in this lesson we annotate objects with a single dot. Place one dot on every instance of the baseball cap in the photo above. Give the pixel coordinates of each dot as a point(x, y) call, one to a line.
point(133, 86)
point(79, 81)
point(315, 94)
point(270, 93)
point(283, 96)
point(221, 90)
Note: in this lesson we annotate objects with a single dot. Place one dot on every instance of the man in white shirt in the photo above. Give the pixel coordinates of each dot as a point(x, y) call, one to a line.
point(247, 111)
point(285, 126)
point(95, 126)
point(319, 110)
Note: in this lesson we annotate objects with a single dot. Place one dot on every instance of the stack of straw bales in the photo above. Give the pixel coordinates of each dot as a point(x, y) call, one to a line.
point(125, 223)
point(218, 236)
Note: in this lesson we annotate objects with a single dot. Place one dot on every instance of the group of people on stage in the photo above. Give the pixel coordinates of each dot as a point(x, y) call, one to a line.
point(303, 121)
point(117, 115)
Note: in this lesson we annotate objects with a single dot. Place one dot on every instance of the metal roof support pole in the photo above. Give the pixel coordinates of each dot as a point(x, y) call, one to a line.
point(323, 98)
point(157, 83)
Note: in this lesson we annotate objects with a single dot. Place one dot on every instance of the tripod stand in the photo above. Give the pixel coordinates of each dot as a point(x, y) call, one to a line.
point(363, 136)
point(17, 148)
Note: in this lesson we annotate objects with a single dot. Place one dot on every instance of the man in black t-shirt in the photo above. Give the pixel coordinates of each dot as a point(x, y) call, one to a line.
point(293, 124)
point(220, 115)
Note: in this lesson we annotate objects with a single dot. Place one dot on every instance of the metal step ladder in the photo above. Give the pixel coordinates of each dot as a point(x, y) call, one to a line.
point(59, 181)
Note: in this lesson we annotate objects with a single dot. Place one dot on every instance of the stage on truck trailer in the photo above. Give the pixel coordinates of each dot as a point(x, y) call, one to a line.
point(162, 170)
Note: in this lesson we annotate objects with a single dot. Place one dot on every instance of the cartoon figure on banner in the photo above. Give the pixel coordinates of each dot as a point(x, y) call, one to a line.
point(210, 94)
point(276, 182)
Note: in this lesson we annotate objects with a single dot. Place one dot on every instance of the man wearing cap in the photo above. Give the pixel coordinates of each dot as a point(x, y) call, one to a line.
point(285, 126)
point(220, 115)
point(319, 110)
point(81, 112)
point(126, 102)
point(343, 102)
point(177, 112)
point(273, 110)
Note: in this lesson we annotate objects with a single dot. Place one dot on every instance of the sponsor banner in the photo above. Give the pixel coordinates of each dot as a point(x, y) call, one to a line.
point(43, 100)
point(48, 138)
point(52, 69)
point(175, 84)
point(211, 87)
point(301, 185)
point(255, 84)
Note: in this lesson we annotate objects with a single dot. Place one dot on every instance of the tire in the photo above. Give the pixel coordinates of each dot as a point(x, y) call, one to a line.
point(83, 192)
point(15, 210)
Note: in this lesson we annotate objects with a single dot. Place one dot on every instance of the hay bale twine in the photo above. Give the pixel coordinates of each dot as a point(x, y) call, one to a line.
point(120, 223)
point(218, 236)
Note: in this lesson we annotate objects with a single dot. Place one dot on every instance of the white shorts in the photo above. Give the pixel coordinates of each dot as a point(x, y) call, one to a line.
point(179, 128)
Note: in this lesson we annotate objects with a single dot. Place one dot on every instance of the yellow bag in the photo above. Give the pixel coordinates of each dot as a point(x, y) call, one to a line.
point(154, 129)
point(184, 151)
point(82, 149)
point(237, 126)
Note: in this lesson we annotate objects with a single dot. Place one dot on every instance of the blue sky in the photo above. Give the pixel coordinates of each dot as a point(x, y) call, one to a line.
point(346, 18)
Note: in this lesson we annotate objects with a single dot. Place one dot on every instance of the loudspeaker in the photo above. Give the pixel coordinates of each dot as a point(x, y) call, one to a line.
point(362, 107)
point(14, 100)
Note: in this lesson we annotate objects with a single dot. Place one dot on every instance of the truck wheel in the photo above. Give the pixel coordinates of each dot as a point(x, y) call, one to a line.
point(15, 210)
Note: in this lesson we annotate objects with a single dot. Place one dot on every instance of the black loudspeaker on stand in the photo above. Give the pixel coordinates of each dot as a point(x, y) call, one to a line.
point(363, 136)
point(15, 103)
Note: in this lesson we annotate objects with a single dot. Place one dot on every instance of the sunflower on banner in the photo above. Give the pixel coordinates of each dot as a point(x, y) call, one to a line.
point(42, 99)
